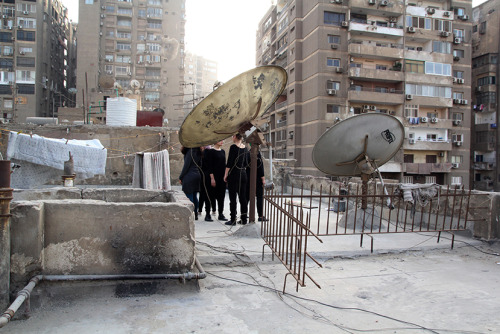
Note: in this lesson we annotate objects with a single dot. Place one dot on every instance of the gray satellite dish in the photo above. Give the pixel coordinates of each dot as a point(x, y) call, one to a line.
point(358, 145)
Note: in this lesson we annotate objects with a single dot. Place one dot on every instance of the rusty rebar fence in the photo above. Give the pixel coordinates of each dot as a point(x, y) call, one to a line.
point(351, 210)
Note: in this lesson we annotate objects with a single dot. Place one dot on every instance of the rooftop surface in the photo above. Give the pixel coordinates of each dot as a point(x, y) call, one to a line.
point(410, 284)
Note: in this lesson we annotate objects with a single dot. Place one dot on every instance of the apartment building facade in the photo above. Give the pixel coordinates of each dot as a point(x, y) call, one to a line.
point(199, 79)
point(35, 57)
point(347, 57)
point(485, 173)
point(121, 41)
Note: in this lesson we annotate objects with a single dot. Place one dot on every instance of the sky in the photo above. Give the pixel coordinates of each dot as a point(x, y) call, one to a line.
point(223, 31)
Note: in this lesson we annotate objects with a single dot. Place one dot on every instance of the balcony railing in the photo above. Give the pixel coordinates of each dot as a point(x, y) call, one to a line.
point(376, 90)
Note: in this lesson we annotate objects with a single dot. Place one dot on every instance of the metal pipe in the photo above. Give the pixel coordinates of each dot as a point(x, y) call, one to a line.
point(26, 292)
point(5, 199)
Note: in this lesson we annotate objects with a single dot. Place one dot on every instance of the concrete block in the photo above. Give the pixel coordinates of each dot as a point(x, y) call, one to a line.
point(127, 195)
point(92, 237)
point(26, 241)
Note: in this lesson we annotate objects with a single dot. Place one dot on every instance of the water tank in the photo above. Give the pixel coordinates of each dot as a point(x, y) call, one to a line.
point(121, 111)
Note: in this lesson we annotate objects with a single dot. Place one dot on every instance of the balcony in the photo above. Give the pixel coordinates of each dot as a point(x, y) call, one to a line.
point(370, 29)
point(387, 8)
point(434, 123)
point(373, 96)
point(427, 168)
point(391, 167)
point(484, 147)
point(377, 50)
point(429, 101)
point(376, 74)
point(486, 127)
point(484, 165)
point(427, 145)
point(485, 185)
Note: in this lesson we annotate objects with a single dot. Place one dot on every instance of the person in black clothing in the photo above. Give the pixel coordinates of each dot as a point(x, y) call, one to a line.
point(216, 166)
point(259, 186)
point(205, 183)
point(236, 178)
point(190, 175)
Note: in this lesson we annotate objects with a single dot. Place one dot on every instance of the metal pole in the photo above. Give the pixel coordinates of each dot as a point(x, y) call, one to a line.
point(5, 198)
point(253, 180)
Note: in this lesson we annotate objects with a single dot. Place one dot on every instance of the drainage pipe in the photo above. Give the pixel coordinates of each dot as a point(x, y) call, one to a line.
point(26, 292)
point(5, 199)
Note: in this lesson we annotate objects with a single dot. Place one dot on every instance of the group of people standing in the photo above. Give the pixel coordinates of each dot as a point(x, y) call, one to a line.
point(206, 171)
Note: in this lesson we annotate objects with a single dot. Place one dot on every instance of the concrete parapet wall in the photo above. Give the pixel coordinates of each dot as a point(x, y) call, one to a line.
point(128, 235)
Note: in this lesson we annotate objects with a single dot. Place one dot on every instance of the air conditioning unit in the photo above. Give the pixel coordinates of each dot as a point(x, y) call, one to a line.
point(431, 10)
point(460, 81)
point(373, 107)
point(372, 2)
point(26, 12)
point(457, 40)
point(411, 141)
point(479, 88)
point(9, 27)
point(456, 101)
point(410, 29)
point(444, 34)
point(334, 46)
point(457, 122)
point(103, 16)
point(129, 73)
point(455, 165)
point(22, 53)
point(384, 3)
point(419, 48)
point(392, 90)
point(458, 143)
point(366, 106)
point(434, 120)
point(364, 111)
point(4, 16)
point(19, 27)
point(464, 17)
point(339, 70)
point(409, 97)
point(109, 72)
point(464, 101)
point(423, 119)
point(103, 7)
point(338, 1)
point(456, 58)
point(332, 92)
point(447, 14)
point(140, 62)
point(455, 80)
point(441, 154)
point(344, 24)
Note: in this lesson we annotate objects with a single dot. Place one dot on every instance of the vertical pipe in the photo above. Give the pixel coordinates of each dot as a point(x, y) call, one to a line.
point(5, 198)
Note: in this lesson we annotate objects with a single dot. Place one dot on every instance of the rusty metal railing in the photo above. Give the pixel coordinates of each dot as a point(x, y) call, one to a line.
point(294, 216)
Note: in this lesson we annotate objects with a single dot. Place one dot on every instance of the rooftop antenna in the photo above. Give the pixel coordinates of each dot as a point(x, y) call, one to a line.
point(236, 107)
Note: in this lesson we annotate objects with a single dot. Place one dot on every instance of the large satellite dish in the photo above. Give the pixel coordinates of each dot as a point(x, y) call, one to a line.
point(233, 107)
point(358, 145)
point(135, 84)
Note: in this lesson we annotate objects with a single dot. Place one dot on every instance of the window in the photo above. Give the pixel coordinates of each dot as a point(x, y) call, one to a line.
point(458, 95)
point(431, 137)
point(152, 84)
point(418, 22)
point(442, 25)
point(152, 96)
point(333, 39)
point(411, 110)
point(109, 58)
point(437, 68)
point(6, 77)
point(333, 62)
point(6, 63)
point(408, 179)
point(124, 23)
point(414, 66)
point(457, 116)
point(26, 62)
point(121, 34)
point(358, 18)
point(89, 2)
point(458, 74)
point(441, 47)
point(125, 11)
point(491, 80)
point(123, 46)
point(123, 59)
point(332, 18)
point(122, 70)
point(486, 98)
point(26, 89)
point(141, 13)
point(5, 90)
point(8, 103)
point(474, 28)
point(154, 24)
point(427, 90)
point(5, 37)
point(459, 33)
point(26, 7)
point(456, 180)
point(9, 50)
point(150, 72)
point(332, 85)
point(25, 35)
point(108, 68)
point(331, 108)
point(110, 9)
point(459, 53)
point(153, 46)
point(431, 159)
point(26, 22)
point(408, 158)
point(459, 11)
point(141, 47)
point(381, 67)
point(457, 137)
point(458, 159)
